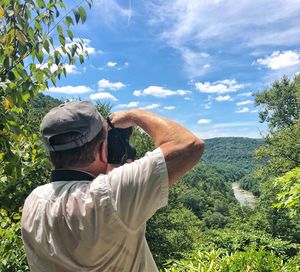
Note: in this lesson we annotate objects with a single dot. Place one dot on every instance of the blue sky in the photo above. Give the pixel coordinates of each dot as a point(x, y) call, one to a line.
point(194, 61)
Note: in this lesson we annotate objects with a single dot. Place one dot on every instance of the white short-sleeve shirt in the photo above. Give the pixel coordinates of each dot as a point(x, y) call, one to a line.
point(98, 224)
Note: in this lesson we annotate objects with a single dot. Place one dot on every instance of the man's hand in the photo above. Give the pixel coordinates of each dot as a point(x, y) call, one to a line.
point(121, 119)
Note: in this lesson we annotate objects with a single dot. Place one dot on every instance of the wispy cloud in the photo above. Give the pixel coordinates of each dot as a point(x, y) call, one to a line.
point(111, 12)
point(246, 102)
point(279, 60)
point(151, 107)
point(111, 64)
point(246, 94)
point(103, 96)
point(133, 104)
point(169, 107)
point(234, 124)
point(243, 110)
point(221, 98)
point(106, 84)
point(70, 68)
point(70, 89)
point(159, 91)
point(204, 121)
point(194, 27)
point(222, 86)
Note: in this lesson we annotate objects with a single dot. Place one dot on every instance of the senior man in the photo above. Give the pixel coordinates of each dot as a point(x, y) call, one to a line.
point(89, 219)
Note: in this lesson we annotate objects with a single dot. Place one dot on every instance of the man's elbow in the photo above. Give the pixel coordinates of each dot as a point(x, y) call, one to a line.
point(196, 149)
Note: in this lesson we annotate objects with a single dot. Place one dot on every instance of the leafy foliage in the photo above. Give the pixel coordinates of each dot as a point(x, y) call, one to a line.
point(280, 103)
point(33, 51)
point(289, 196)
point(251, 260)
point(12, 254)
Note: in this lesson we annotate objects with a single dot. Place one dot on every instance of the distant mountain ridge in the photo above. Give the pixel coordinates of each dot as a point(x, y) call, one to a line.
point(232, 150)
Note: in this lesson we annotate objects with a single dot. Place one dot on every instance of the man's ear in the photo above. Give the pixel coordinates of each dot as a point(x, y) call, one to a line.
point(103, 152)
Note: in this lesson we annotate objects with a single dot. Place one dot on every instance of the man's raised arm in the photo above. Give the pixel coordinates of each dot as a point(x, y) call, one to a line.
point(181, 148)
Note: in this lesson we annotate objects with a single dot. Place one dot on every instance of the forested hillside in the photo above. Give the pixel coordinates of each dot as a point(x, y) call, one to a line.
point(232, 150)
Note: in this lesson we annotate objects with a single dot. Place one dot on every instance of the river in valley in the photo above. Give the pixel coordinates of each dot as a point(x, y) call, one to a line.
point(244, 197)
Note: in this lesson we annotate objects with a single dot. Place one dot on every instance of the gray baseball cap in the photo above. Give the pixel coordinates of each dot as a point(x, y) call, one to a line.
point(80, 118)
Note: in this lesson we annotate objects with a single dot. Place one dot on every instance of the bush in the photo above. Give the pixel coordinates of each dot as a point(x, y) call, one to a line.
point(12, 254)
point(251, 260)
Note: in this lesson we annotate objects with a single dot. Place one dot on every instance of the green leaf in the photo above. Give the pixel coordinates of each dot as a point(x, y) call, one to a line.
point(89, 2)
point(53, 79)
point(69, 21)
point(59, 30)
point(20, 37)
point(70, 34)
point(81, 59)
point(37, 25)
point(77, 15)
point(39, 76)
point(40, 3)
point(40, 53)
point(11, 76)
point(62, 40)
point(82, 13)
point(46, 45)
point(57, 57)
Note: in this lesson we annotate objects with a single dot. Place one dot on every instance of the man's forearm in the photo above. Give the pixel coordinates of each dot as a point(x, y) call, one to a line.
point(181, 148)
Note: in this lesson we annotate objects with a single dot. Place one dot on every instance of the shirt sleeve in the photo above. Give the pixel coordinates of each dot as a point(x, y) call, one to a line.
point(140, 188)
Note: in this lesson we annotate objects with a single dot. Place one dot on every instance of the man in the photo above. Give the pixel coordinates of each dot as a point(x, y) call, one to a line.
point(90, 220)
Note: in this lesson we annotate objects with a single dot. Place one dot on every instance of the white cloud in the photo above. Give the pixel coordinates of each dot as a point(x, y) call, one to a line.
point(70, 89)
point(70, 68)
point(169, 107)
point(221, 86)
point(246, 102)
point(210, 21)
point(129, 105)
point(204, 121)
point(245, 109)
point(279, 60)
point(191, 27)
point(158, 91)
point(137, 93)
point(111, 12)
point(246, 94)
point(111, 64)
point(126, 64)
point(103, 95)
point(196, 62)
point(221, 98)
point(151, 107)
point(106, 84)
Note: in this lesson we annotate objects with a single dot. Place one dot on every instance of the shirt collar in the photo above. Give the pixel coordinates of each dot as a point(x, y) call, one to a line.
point(70, 175)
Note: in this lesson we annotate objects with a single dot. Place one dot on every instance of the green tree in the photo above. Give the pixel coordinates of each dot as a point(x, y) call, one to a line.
point(281, 154)
point(33, 52)
point(280, 104)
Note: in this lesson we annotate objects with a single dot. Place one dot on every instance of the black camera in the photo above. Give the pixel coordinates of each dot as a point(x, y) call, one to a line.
point(119, 148)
